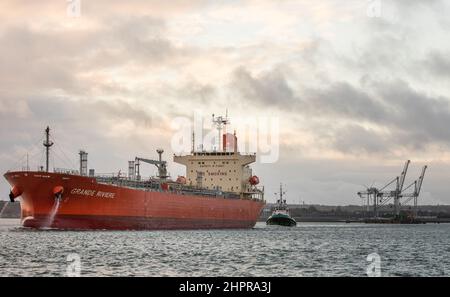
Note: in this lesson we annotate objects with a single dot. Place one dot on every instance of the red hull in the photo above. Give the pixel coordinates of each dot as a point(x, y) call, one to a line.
point(87, 204)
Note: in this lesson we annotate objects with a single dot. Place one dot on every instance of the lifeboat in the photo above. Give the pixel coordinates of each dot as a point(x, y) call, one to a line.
point(181, 180)
point(254, 180)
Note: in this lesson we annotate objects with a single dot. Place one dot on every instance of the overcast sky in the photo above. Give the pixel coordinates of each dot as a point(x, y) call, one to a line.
point(358, 86)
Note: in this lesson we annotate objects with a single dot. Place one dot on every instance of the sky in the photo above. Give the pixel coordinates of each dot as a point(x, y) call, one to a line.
point(358, 86)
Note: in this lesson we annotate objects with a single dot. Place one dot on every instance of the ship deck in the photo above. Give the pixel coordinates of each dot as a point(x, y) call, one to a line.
point(157, 185)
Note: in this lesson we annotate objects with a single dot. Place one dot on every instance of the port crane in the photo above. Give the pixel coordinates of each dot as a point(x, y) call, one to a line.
point(160, 164)
point(370, 194)
point(395, 194)
point(380, 197)
point(417, 187)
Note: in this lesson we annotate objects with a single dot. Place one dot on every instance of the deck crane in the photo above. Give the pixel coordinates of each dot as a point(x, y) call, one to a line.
point(161, 165)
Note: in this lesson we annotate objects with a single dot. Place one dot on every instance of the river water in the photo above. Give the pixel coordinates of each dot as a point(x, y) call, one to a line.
point(309, 249)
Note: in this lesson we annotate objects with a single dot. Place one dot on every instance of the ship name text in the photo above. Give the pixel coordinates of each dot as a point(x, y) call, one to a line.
point(92, 193)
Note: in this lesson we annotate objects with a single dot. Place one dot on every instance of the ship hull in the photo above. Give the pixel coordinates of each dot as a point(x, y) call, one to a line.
point(73, 222)
point(86, 204)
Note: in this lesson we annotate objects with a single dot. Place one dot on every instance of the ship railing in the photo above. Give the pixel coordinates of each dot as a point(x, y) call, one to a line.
point(255, 193)
point(183, 189)
point(155, 185)
point(66, 171)
point(123, 181)
point(108, 175)
point(217, 153)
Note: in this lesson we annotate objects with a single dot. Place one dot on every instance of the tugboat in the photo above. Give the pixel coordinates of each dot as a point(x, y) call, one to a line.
point(280, 215)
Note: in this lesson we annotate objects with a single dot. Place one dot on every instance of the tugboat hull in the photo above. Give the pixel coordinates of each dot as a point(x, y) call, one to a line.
point(281, 220)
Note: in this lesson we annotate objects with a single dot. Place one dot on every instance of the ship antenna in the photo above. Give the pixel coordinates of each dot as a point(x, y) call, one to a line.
point(193, 142)
point(220, 122)
point(281, 194)
point(47, 143)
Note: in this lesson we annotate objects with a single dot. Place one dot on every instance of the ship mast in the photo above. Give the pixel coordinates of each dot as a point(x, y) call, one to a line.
point(281, 193)
point(280, 201)
point(47, 143)
point(220, 122)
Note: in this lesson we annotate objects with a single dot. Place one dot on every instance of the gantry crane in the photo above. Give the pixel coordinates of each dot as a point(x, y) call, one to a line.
point(415, 194)
point(381, 196)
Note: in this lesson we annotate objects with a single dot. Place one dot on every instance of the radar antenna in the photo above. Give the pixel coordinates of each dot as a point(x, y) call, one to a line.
point(220, 122)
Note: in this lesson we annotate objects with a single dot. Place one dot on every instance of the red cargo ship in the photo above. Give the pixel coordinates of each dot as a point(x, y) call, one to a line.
point(218, 191)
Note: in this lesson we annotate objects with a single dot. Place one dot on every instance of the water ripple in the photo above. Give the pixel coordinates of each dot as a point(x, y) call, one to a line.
point(306, 250)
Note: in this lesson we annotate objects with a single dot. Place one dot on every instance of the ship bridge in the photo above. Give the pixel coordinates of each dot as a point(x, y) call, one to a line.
point(223, 171)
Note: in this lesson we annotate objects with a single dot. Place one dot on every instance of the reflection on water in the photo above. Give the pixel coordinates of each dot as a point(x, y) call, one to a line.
point(310, 249)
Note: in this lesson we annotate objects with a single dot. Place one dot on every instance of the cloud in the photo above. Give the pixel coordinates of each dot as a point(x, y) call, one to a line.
point(412, 118)
point(344, 100)
point(347, 87)
point(439, 64)
point(269, 89)
point(357, 140)
point(421, 115)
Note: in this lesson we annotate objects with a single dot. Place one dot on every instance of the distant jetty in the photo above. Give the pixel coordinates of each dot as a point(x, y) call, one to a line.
point(358, 214)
